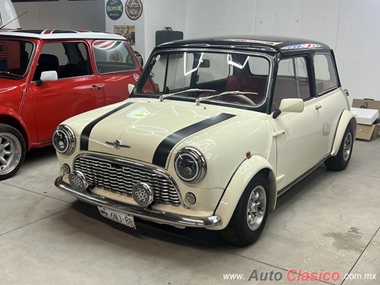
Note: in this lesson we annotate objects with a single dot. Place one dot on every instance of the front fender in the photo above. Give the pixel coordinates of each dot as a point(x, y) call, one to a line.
point(345, 119)
point(9, 116)
point(243, 175)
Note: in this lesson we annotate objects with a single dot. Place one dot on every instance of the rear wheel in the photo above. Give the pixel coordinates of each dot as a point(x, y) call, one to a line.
point(341, 160)
point(249, 218)
point(12, 151)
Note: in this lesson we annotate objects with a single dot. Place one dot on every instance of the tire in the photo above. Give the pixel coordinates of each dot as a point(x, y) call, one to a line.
point(12, 151)
point(341, 160)
point(249, 218)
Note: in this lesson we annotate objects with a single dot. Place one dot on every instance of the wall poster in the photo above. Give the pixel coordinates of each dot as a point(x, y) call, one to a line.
point(127, 31)
point(114, 9)
point(133, 9)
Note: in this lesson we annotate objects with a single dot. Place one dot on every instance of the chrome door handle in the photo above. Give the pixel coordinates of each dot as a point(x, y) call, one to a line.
point(98, 86)
point(317, 107)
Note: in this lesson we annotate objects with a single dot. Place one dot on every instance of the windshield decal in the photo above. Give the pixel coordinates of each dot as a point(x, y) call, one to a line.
point(302, 46)
point(185, 72)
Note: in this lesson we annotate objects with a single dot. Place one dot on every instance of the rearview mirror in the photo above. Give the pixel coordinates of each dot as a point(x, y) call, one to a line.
point(205, 63)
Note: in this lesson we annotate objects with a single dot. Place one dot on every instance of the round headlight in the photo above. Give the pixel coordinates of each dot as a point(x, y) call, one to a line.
point(190, 165)
point(64, 140)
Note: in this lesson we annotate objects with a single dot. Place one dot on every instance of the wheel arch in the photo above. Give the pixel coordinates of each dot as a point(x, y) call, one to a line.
point(346, 119)
point(247, 170)
point(17, 124)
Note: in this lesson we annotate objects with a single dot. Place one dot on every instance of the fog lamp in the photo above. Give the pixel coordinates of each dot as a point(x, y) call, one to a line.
point(142, 194)
point(78, 181)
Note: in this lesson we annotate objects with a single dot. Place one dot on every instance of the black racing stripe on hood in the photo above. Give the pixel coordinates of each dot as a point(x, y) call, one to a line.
point(85, 135)
point(162, 152)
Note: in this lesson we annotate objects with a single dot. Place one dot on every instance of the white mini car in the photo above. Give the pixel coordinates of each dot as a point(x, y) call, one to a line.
point(214, 131)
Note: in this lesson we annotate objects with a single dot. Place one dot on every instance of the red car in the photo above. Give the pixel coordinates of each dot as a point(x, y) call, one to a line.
point(51, 75)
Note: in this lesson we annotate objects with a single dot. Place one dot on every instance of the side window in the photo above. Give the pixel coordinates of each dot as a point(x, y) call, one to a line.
point(51, 57)
point(68, 59)
point(113, 56)
point(292, 81)
point(325, 73)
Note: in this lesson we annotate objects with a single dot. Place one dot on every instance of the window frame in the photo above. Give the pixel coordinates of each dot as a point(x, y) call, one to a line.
point(310, 80)
point(331, 64)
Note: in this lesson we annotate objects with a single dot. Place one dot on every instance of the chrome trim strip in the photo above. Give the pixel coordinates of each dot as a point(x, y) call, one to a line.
point(143, 213)
point(290, 185)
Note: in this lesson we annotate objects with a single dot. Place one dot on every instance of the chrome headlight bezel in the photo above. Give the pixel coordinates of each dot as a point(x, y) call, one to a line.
point(64, 140)
point(197, 171)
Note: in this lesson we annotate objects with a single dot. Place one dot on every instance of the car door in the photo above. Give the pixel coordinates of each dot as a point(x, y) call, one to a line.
point(116, 67)
point(77, 89)
point(298, 136)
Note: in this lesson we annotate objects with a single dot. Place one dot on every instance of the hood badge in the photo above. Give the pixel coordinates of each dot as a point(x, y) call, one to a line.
point(118, 144)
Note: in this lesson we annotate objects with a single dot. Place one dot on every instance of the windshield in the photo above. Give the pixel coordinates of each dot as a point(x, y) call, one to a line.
point(240, 79)
point(15, 56)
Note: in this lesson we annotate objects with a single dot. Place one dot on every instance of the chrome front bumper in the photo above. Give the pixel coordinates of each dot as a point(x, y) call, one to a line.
point(137, 211)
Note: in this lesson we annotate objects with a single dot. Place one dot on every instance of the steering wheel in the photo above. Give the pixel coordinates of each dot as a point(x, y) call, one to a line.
point(243, 99)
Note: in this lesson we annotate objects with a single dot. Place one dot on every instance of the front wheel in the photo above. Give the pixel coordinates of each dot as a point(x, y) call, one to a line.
point(12, 151)
point(249, 218)
point(342, 158)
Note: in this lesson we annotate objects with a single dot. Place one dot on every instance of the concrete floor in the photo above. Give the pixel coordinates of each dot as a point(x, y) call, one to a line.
point(328, 223)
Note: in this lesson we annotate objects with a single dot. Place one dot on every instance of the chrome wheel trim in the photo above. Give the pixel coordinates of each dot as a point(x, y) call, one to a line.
point(10, 152)
point(347, 146)
point(256, 206)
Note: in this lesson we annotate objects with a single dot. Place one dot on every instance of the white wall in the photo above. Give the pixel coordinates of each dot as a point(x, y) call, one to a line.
point(157, 14)
point(62, 14)
point(350, 27)
point(161, 14)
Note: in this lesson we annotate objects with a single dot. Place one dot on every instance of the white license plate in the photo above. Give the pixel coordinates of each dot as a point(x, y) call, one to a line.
point(116, 216)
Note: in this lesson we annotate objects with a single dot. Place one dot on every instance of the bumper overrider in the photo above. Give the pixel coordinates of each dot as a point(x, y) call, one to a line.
point(138, 211)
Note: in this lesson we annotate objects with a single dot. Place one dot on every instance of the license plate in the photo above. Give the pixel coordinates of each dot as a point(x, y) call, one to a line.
point(116, 216)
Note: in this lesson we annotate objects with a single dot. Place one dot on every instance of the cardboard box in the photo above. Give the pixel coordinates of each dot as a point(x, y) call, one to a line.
point(366, 103)
point(367, 132)
point(365, 116)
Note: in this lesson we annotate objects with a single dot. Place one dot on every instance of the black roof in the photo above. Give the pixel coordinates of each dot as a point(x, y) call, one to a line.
point(267, 43)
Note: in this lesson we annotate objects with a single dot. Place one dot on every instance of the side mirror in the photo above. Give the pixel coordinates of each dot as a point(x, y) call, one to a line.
point(292, 105)
point(130, 88)
point(50, 75)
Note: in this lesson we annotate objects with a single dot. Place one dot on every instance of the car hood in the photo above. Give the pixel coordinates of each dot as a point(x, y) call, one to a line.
point(152, 131)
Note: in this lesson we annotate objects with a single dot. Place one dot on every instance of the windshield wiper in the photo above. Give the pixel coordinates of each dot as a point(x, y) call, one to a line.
point(9, 73)
point(163, 96)
point(199, 100)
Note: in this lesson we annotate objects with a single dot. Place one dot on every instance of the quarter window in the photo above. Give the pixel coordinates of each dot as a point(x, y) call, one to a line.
point(113, 56)
point(325, 73)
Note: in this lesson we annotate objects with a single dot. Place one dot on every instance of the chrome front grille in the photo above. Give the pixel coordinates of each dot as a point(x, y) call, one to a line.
point(119, 176)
